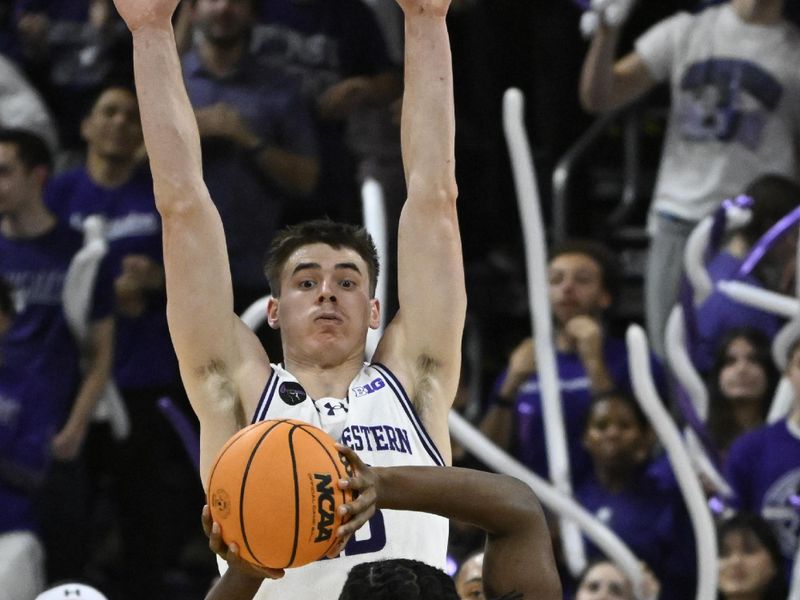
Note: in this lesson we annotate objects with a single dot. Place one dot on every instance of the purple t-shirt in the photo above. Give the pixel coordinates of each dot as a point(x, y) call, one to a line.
point(26, 427)
point(653, 522)
point(143, 356)
point(763, 467)
point(718, 314)
point(39, 342)
point(249, 204)
point(529, 442)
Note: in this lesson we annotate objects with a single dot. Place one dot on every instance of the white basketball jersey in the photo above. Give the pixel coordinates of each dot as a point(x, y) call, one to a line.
point(379, 422)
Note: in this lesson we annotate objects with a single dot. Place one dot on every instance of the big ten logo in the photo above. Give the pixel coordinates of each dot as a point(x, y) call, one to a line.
point(372, 386)
point(326, 506)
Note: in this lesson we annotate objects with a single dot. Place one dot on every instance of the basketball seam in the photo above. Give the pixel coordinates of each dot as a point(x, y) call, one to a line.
point(335, 466)
point(296, 495)
point(244, 485)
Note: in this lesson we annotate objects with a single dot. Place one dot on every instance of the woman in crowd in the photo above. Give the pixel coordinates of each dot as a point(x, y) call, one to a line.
point(741, 385)
point(648, 515)
point(750, 562)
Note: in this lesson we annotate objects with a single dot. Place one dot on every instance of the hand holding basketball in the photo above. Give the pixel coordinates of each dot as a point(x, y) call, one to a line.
point(273, 492)
point(230, 554)
point(364, 485)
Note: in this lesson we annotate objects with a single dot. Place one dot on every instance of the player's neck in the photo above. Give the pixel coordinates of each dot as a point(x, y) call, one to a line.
point(758, 12)
point(31, 222)
point(323, 381)
point(109, 173)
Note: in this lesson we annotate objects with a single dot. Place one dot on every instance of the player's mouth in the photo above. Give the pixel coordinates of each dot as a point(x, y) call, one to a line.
point(331, 318)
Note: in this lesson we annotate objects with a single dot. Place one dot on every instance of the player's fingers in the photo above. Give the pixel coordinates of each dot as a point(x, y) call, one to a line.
point(235, 560)
point(205, 518)
point(351, 458)
point(337, 548)
point(355, 522)
point(215, 541)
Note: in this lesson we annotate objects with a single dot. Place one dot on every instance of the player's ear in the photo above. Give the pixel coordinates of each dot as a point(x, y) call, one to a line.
point(374, 313)
point(272, 312)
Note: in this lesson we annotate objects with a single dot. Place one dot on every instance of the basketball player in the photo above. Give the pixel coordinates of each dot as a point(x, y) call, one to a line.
point(322, 277)
point(518, 562)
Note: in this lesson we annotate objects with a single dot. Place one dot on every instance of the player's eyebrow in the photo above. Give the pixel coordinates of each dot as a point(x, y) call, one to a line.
point(338, 266)
point(304, 266)
point(349, 266)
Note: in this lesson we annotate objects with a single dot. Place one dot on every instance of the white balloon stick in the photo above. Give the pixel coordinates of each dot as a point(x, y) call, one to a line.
point(680, 362)
point(783, 306)
point(555, 500)
point(374, 212)
point(536, 264)
point(702, 523)
point(255, 315)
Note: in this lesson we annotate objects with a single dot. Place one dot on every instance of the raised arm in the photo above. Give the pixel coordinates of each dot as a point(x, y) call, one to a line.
point(205, 332)
point(606, 85)
point(430, 267)
point(519, 555)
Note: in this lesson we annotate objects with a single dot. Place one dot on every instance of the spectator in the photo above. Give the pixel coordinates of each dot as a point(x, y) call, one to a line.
point(734, 115)
point(338, 52)
point(763, 469)
point(73, 48)
point(469, 578)
point(774, 197)
point(35, 253)
point(649, 517)
point(259, 149)
point(150, 474)
point(603, 580)
point(741, 386)
point(750, 563)
point(583, 282)
point(25, 429)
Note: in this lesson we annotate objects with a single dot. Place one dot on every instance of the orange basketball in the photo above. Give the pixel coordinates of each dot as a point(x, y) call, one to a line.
point(273, 490)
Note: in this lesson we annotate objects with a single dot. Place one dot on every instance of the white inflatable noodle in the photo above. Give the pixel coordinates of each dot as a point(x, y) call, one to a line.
point(536, 266)
point(694, 255)
point(702, 523)
point(374, 212)
point(783, 340)
point(681, 364)
point(703, 465)
point(555, 500)
point(782, 402)
point(77, 295)
point(255, 315)
point(744, 293)
point(694, 260)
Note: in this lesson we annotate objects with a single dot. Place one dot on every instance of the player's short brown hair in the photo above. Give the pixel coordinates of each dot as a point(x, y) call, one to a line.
point(320, 231)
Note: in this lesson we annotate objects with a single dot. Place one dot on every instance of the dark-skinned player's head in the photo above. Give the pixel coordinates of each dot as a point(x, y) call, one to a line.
point(398, 579)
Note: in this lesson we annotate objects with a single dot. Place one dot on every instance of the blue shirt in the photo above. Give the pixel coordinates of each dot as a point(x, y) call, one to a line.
point(718, 314)
point(26, 427)
point(249, 204)
point(763, 467)
point(529, 442)
point(143, 356)
point(653, 523)
point(39, 342)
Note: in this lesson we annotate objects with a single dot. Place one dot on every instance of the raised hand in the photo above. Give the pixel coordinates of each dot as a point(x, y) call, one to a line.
point(230, 553)
point(365, 485)
point(424, 7)
point(141, 13)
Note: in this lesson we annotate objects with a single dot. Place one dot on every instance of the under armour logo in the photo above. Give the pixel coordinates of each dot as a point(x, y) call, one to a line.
point(333, 407)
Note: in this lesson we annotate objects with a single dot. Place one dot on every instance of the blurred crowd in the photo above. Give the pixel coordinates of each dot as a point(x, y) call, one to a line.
point(298, 105)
